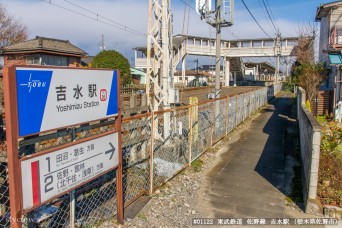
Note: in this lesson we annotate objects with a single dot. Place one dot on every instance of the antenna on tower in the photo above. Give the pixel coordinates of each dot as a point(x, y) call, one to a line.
point(102, 44)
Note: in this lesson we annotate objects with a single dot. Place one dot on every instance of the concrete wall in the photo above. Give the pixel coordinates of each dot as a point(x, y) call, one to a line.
point(310, 140)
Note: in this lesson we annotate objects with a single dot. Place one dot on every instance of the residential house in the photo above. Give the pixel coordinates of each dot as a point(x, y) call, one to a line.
point(40, 51)
point(330, 47)
point(43, 51)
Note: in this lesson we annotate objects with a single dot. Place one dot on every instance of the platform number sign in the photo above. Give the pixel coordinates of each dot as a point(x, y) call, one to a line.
point(52, 174)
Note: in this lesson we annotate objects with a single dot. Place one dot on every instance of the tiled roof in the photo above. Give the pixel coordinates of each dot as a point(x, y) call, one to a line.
point(45, 44)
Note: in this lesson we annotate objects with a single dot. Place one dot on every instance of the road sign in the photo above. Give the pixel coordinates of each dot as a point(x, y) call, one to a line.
point(51, 98)
point(52, 174)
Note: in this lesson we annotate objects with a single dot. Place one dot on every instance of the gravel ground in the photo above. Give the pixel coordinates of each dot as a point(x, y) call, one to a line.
point(176, 203)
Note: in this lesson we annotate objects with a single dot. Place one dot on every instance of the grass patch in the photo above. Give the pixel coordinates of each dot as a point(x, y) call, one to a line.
point(197, 165)
point(142, 216)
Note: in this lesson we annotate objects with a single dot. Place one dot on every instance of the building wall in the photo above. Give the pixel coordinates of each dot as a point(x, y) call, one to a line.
point(336, 18)
point(10, 60)
point(324, 40)
point(14, 60)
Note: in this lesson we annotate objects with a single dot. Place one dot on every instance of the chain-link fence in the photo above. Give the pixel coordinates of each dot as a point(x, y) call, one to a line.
point(177, 137)
point(4, 194)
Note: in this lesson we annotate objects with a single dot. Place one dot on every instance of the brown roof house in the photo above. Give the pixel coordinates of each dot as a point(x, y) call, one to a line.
point(43, 51)
point(40, 51)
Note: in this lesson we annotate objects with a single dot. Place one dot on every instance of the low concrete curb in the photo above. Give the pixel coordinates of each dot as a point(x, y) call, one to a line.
point(332, 212)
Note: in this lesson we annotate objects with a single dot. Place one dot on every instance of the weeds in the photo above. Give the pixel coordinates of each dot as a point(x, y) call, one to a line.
point(330, 175)
point(197, 165)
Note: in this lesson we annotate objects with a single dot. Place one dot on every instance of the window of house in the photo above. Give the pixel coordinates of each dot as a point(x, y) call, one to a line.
point(339, 35)
point(54, 60)
point(33, 60)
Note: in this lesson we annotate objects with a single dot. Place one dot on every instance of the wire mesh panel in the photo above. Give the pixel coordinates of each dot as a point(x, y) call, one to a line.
point(231, 113)
point(136, 145)
point(251, 103)
point(96, 202)
point(201, 130)
point(4, 195)
point(55, 214)
point(245, 106)
point(220, 106)
point(240, 111)
point(170, 144)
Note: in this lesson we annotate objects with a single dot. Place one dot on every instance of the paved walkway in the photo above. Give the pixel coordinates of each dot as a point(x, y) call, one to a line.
point(254, 174)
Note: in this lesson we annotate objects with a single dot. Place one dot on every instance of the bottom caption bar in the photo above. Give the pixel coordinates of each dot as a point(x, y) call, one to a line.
point(264, 221)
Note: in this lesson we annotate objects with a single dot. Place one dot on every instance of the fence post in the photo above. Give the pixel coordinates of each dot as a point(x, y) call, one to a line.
point(244, 106)
point(249, 104)
point(72, 193)
point(255, 101)
point(190, 134)
point(151, 154)
point(236, 109)
point(227, 114)
point(212, 124)
point(11, 114)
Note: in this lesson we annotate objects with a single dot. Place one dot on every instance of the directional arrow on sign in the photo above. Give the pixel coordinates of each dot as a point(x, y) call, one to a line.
point(111, 151)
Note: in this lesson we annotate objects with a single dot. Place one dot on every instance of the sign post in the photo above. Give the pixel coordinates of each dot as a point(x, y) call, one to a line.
point(47, 99)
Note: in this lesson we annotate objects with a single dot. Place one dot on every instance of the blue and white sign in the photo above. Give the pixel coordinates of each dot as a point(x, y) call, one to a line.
point(54, 98)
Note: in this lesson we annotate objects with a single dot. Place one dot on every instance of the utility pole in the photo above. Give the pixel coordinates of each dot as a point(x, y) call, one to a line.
point(196, 61)
point(204, 9)
point(218, 49)
point(278, 54)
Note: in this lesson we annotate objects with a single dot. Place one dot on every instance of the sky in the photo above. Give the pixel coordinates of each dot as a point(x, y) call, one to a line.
point(81, 28)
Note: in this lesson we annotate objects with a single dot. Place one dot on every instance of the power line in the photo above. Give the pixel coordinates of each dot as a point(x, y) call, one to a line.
point(116, 25)
point(255, 19)
point(269, 15)
point(188, 4)
point(264, 12)
point(99, 16)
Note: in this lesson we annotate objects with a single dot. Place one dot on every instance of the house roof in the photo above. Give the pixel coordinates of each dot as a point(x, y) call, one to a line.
point(43, 44)
point(264, 65)
point(324, 9)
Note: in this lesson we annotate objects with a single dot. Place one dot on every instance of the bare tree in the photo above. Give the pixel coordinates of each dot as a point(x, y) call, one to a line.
point(11, 30)
point(306, 43)
point(306, 73)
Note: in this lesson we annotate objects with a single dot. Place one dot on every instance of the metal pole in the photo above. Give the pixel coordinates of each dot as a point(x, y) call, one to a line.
point(14, 173)
point(72, 193)
point(218, 48)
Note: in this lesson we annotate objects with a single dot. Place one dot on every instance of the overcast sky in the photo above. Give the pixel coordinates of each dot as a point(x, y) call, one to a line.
point(44, 19)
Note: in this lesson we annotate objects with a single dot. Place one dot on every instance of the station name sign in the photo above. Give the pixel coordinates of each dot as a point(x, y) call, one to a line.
point(56, 98)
